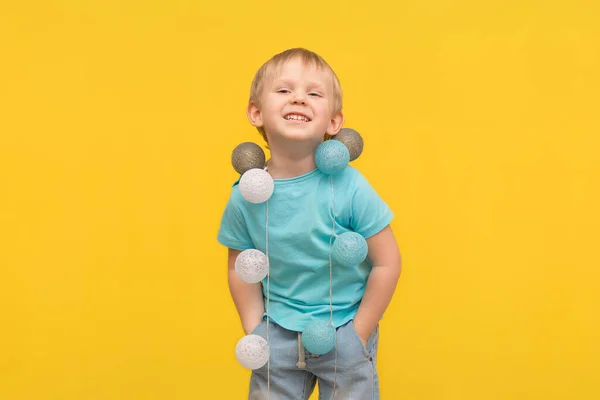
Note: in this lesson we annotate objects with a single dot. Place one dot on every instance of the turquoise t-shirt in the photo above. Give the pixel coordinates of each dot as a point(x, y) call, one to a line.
point(300, 228)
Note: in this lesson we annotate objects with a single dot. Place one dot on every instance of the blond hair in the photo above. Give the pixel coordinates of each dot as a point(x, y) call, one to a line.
point(308, 58)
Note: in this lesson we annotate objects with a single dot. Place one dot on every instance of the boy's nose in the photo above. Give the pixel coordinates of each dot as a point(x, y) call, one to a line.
point(298, 98)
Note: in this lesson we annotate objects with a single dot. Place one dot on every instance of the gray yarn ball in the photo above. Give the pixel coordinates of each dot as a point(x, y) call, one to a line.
point(353, 141)
point(246, 156)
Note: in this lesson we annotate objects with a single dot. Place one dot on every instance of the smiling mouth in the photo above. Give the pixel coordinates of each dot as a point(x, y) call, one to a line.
point(297, 117)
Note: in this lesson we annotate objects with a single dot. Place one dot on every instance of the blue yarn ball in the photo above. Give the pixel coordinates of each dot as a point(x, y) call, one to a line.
point(349, 249)
point(318, 337)
point(332, 156)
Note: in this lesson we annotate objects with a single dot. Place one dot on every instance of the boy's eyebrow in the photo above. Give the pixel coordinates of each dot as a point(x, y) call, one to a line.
point(290, 82)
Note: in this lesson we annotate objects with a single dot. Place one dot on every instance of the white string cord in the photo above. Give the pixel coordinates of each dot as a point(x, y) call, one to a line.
point(331, 284)
point(268, 298)
point(266, 168)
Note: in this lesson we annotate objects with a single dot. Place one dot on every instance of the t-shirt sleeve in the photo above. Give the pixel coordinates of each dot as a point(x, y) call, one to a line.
point(370, 214)
point(233, 232)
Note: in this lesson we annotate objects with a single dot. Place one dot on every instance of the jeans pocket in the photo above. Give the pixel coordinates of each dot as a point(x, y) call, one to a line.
point(365, 352)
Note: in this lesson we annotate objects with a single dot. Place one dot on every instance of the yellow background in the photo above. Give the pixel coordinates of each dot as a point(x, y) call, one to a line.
point(117, 119)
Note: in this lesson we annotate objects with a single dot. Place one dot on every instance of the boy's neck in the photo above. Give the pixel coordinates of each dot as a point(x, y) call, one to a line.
point(291, 162)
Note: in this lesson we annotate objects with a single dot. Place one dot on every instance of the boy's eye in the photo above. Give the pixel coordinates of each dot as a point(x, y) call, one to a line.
point(283, 91)
point(314, 94)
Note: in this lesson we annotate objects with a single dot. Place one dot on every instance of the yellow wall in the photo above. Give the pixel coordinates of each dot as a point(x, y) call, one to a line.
point(117, 119)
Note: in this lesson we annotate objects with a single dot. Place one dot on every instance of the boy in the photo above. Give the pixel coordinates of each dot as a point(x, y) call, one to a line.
point(295, 103)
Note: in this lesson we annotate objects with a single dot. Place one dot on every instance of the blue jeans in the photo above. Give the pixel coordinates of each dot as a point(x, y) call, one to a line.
point(294, 371)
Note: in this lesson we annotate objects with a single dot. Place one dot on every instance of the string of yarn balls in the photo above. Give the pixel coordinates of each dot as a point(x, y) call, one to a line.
point(252, 351)
point(318, 337)
point(252, 265)
point(349, 249)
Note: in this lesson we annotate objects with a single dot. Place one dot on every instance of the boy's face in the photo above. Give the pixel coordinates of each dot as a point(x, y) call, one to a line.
point(297, 105)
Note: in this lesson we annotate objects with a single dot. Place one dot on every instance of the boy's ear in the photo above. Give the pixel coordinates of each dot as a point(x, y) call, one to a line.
point(254, 115)
point(336, 123)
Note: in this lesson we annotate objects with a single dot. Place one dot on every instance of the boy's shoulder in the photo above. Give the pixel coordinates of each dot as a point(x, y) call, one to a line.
point(235, 196)
point(349, 179)
point(349, 173)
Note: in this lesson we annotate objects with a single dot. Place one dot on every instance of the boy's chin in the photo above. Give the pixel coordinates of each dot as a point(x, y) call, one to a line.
point(299, 136)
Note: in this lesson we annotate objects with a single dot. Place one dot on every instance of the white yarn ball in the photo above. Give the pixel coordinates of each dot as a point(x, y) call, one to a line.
point(252, 265)
point(256, 185)
point(252, 351)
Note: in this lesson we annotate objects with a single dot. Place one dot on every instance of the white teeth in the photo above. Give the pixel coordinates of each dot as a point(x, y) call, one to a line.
point(297, 117)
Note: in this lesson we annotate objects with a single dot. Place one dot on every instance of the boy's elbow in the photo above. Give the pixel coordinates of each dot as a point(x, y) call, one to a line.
point(398, 271)
point(398, 267)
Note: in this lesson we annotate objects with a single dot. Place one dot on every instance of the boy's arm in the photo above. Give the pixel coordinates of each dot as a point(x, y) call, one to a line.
point(387, 264)
point(247, 297)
